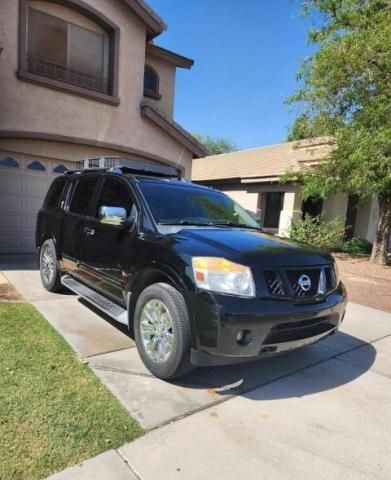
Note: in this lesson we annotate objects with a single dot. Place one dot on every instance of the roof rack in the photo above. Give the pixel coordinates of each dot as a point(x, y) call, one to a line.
point(123, 165)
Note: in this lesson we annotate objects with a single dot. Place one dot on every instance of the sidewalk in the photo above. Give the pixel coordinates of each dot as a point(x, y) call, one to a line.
point(331, 420)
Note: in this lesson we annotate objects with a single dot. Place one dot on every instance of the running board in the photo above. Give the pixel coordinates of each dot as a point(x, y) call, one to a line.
point(115, 311)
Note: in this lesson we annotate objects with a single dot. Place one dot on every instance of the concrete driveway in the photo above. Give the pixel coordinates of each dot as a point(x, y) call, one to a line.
point(322, 411)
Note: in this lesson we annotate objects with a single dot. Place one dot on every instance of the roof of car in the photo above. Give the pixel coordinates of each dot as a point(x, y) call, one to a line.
point(170, 181)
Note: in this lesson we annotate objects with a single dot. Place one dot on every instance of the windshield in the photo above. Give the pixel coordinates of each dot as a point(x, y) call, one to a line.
point(186, 205)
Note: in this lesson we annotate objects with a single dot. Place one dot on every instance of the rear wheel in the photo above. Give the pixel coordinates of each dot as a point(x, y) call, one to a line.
point(161, 328)
point(48, 267)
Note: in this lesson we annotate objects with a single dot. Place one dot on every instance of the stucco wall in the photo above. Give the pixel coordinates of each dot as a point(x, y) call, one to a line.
point(247, 200)
point(366, 220)
point(28, 107)
point(335, 206)
point(166, 72)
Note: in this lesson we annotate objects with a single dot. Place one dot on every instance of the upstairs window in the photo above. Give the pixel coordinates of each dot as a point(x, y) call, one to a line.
point(151, 83)
point(66, 52)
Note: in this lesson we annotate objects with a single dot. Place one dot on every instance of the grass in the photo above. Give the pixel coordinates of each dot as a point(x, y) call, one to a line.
point(54, 412)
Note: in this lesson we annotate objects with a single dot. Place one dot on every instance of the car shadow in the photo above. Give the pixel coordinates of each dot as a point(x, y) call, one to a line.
point(26, 261)
point(119, 326)
point(305, 371)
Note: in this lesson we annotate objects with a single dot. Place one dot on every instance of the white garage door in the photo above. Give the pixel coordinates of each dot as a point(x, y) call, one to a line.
point(23, 186)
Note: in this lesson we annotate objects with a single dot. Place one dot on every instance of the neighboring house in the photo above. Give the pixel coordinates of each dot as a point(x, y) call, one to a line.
point(80, 78)
point(251, 177)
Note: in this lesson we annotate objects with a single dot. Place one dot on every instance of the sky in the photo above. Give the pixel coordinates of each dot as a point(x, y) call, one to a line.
point(247, 54)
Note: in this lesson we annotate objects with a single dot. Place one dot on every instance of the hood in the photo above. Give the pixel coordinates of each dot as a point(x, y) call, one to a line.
point(249, 247)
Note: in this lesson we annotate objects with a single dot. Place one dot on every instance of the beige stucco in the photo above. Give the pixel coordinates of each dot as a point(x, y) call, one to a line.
point(29, 107)
point(367, 218)
point(247, 200)
point(166, 72)
point(291, 210)
point(335, 206)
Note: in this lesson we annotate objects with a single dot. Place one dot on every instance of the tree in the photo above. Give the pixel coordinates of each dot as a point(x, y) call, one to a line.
point(215, 145)
point(345, 92)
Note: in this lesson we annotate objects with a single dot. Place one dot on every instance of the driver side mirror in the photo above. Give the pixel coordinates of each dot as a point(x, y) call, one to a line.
point(112, 215)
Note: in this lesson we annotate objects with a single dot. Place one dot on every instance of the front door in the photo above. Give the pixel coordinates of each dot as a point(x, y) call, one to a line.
point(107, 247)
point(274, 203)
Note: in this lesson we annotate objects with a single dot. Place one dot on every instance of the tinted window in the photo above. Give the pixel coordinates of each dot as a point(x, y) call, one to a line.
point(114, 193)
point(82, 195)
point(54, 194)
point(176, 203)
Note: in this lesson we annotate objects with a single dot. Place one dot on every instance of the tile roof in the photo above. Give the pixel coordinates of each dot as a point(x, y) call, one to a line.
point(269, 161)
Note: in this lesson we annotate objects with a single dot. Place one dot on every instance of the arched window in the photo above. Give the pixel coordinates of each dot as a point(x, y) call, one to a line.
point(60, 169)
point(151, 82)
point(9, 162)
point(37, 166)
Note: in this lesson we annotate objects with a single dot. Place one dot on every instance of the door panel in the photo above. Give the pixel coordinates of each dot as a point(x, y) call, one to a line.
point(72, 234)
point(106, 247)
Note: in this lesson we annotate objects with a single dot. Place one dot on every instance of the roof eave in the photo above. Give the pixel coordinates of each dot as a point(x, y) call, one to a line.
point(169, 56)
point(173, 129)
point(155, 24)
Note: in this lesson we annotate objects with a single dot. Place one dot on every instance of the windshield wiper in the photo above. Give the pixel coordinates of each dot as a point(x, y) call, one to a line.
point(186, 222)
point(210, 224)
point(233, 224)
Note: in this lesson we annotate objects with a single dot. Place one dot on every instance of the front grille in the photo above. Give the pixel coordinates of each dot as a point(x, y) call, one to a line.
point(287, 332)
point(304, 283)
point(274, 283)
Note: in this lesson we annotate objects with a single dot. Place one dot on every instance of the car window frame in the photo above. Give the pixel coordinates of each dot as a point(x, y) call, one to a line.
point(134, 198)
point(71, 190)
point(61, 197)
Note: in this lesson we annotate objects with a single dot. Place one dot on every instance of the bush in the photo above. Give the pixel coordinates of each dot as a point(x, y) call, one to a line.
point(357, 246)
point(318, 232)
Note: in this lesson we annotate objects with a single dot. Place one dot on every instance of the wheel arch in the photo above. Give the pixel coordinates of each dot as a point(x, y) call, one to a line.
point(148, 275)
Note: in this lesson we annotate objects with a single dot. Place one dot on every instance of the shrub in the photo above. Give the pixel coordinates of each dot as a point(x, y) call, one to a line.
point(357, 246)
point(318, 232)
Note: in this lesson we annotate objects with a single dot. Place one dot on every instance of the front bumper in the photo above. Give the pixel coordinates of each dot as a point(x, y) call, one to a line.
point(271, 326)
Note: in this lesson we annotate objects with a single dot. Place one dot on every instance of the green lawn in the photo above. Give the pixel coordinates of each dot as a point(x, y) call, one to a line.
point(54, 412)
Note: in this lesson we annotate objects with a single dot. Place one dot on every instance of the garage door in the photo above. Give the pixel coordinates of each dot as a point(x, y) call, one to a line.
point(23, 186)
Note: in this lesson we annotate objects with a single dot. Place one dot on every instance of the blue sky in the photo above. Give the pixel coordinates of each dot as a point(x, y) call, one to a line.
point(246, 54)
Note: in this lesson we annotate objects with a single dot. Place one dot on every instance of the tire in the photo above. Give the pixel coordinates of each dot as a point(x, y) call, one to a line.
point(165, 355)
point(48, 267)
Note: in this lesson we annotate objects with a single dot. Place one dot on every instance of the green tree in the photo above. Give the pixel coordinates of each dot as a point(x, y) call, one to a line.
point(215, 145)
point(345, 91)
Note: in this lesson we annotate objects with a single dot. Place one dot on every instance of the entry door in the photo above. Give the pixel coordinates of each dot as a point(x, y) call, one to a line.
point(274, 202)
point(108, 249)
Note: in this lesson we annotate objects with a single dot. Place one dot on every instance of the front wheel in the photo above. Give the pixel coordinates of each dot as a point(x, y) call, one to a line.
point(48, 267)
point(162, 333)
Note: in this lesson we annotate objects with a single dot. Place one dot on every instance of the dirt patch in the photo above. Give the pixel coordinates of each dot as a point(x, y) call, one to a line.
point(8, 292)
point(366, 283)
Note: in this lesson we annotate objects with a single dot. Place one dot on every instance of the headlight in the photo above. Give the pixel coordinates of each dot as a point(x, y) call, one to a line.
point(222, 276)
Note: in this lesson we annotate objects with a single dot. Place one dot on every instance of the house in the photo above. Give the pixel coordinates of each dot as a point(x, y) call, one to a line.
point(79, 79)
point(251, 177)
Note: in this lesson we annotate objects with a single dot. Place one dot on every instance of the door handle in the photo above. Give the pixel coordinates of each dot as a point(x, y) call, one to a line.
point(89, 231)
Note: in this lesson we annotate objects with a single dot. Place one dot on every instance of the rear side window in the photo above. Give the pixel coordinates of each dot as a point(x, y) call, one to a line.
point(114, 193)
point(82, 195)
point(54, 194)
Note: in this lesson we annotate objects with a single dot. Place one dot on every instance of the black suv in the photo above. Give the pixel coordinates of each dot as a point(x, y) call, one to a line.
point(183, 266)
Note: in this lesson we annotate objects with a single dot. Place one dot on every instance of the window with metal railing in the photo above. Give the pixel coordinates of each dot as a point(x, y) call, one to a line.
point(67, 52)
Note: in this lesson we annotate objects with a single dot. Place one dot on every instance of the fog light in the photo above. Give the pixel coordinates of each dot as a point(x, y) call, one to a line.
point(244, 338)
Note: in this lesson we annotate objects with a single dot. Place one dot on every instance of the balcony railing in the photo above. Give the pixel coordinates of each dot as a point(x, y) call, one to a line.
point(57, 71)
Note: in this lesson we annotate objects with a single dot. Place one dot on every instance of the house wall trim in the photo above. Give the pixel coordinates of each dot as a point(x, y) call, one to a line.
point(52, 137)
